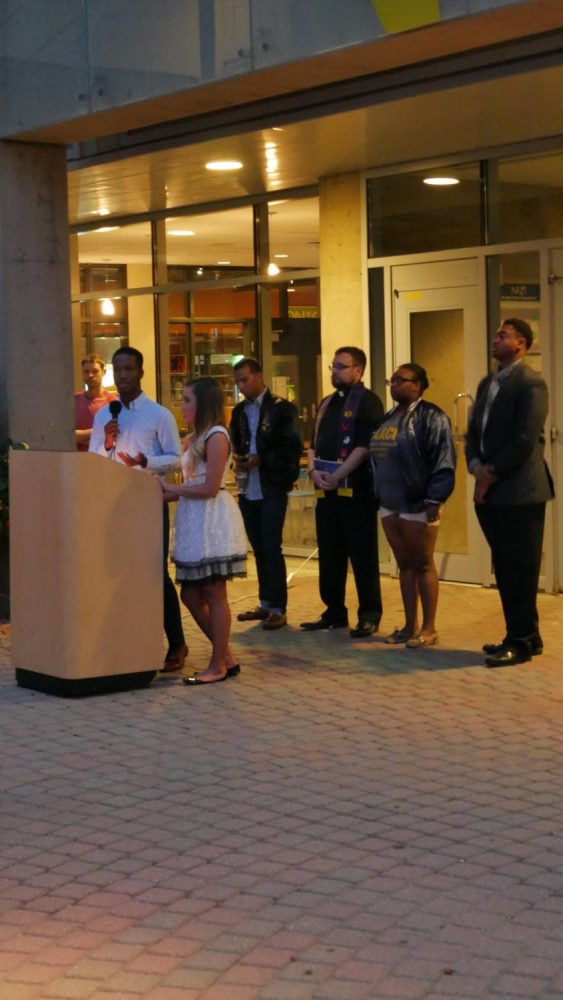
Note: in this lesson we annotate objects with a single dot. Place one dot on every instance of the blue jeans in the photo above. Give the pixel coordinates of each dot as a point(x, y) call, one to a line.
point(263, 521)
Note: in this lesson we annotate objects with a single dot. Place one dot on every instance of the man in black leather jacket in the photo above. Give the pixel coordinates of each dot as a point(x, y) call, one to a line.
point(267, 444)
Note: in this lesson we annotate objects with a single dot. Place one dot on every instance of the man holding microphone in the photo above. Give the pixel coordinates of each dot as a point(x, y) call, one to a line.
point(143, 435)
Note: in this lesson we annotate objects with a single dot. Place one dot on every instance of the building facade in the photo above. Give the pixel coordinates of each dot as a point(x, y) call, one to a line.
point(392, 176)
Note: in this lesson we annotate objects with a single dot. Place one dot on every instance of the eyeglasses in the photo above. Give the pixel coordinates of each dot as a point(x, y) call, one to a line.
point(338, 368)
point(398, 380)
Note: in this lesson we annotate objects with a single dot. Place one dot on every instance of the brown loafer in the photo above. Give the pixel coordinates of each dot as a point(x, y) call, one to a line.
point(175, 659)
point(256, 615)
point(274, 620)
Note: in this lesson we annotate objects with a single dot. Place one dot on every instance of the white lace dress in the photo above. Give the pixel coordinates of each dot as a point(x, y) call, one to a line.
point(209, 536)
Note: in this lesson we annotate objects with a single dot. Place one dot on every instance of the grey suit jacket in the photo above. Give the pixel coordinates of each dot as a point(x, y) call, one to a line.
point(513, 440)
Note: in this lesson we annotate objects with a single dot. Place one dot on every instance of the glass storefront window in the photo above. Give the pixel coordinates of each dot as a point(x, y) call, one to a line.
point(294, 233)
point(406, 214)
point(513, 282)
point(124, 245)
point(104, 321)
point(296, 347)
point(209, 330)
point(527, 198)
point(210, 246)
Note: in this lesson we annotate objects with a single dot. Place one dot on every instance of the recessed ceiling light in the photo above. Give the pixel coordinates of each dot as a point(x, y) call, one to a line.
point(223, 262)
point(105, 229)
point(441, 181)
point(281, 256)
point(180, 232)
point(223, 165)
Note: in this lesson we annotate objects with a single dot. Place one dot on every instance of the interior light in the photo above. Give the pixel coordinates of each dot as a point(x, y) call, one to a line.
point(199, 271)
point(273, 269)
point(105, 229)
point(223, 262)
point(223, 165)
point(441, 181)
point(108, 308)
point(290, 290)
point(180, 232)
point(101, 211)
point(281, 256)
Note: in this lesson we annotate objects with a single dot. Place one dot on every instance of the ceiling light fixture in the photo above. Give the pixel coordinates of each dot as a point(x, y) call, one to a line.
point(441, 181)
point(223, 165)
point(180, 232)
point(273, 269)
point(223, 262)
point(106, 229)
point(108, 308)
point(281, 256)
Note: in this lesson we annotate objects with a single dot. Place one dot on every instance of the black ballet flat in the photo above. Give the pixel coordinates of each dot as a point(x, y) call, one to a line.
point(192, 681)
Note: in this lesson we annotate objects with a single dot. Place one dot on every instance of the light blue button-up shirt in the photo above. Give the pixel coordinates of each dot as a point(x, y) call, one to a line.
point(144, 426)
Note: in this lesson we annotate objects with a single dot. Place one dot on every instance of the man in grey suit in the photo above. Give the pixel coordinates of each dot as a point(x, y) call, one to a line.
point(505, 452)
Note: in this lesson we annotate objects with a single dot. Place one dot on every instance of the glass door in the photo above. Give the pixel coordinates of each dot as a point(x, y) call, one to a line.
point(440, 323)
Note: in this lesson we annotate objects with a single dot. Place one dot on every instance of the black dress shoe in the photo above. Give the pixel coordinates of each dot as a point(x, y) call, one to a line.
point(509, 657)
point(363, 630)
point(535, 643)
point(320, 624)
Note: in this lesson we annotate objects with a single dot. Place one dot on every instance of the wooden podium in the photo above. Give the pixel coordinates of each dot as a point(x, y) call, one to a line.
point(86, 573)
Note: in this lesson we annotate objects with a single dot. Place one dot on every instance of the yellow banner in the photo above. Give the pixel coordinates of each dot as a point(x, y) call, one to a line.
point(402, 15)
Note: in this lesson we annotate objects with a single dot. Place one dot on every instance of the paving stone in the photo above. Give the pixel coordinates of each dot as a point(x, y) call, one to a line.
point(288, 835)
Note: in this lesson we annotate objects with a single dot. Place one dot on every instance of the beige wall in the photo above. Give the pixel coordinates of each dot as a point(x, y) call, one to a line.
point(341, 264)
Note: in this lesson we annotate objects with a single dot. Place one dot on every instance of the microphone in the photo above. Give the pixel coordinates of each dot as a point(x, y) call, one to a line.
point(115, 408)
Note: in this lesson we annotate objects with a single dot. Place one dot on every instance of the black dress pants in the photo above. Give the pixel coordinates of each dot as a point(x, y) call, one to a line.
point(347, 530)
point(515, 535)
point(172, 614)
point(263, 522)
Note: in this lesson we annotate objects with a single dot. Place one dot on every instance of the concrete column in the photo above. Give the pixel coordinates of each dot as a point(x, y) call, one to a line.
point(341, 260)
point(77, 347)
point(263, 301)
point(162, 345)
point(36, 357)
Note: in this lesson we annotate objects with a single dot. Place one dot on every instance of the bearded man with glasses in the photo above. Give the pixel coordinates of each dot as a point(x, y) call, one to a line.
point(346, 508)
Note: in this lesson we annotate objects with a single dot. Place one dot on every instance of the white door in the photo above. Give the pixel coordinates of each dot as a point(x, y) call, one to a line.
point(440, 322)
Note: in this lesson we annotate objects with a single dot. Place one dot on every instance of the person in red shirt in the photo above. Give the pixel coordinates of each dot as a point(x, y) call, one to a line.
point(88, 402)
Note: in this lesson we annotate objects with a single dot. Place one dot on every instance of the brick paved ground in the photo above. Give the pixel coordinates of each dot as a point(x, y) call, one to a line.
point(345, 820)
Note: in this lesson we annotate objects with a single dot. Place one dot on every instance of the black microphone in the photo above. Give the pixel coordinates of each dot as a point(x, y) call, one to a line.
point(115, 408)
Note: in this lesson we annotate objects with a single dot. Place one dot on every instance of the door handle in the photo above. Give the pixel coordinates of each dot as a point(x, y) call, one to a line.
point(458, 436)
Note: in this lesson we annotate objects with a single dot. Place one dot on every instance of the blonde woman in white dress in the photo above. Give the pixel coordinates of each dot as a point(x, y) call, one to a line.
point(209, 538)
